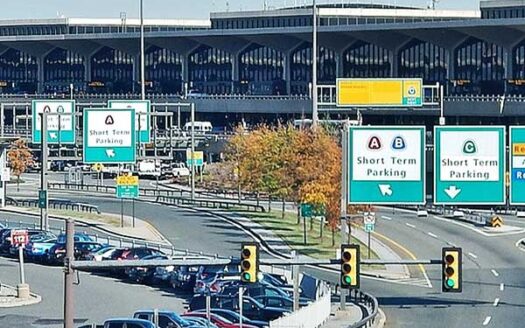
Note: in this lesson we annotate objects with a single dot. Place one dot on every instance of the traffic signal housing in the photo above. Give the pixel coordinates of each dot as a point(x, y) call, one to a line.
point(249, 262)
point(350, 259)
point(452, 270)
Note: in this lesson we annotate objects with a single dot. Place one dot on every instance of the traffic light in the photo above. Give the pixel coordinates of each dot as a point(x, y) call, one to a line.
point(350, 258)
point(452, 274)
point(249, 262)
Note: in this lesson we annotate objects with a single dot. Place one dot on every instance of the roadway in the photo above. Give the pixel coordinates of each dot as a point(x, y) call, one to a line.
point(493, 269)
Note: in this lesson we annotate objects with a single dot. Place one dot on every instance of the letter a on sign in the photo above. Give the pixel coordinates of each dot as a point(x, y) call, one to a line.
point(398, 143)
point(374, 143)
point(109, 120)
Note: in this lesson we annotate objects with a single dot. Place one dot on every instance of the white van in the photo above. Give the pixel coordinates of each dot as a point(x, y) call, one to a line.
point(200, 127)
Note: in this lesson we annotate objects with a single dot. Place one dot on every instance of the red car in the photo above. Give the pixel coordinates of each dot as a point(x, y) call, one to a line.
point(217, 320)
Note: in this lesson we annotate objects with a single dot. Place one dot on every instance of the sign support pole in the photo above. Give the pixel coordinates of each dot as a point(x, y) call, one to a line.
point(344, 201)
point(122, 212)
point(21, 261)
point(133, 211)
point(241, 291)
point(69, 300)
point(369, 245)
point(44, 224)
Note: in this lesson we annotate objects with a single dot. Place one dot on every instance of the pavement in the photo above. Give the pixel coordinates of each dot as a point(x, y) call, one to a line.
point(9, 299)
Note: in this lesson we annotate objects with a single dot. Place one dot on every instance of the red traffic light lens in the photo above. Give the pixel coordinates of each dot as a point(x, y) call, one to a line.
point(347, 256)
point(449, 259)
point(246, 253)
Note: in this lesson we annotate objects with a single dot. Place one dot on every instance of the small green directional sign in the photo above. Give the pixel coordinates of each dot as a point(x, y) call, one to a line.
point(142, 116)
point(386, 165)
point(469, 165)
point(109, 136)
point(64, 132)
point(128, 191)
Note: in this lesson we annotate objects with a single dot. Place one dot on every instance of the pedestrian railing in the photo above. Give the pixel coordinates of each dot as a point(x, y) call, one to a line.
point(369, 306)
point(208, 203)
point(54, 204)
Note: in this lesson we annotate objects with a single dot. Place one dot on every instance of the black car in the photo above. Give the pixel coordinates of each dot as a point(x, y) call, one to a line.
point(184, 277)
point(145, 274)
point(252, 308)
point(82, 249)
point(235, 317)
point(5, 239)
point(264, 292)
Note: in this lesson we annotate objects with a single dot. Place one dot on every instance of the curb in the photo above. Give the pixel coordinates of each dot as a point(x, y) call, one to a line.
point(34, 299)
point(382, 319)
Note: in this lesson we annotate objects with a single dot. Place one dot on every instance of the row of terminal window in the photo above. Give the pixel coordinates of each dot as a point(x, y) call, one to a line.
point(516, 12)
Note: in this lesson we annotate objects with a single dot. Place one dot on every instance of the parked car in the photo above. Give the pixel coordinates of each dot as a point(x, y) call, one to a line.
point(208, 275)
point(135, 253)
point(167, 319)
point(264, 292)
point(37, 251)
point(34, 236)
point(162, 274)
point(179, 170)
point(145, 274)
point(101, 254)
point(128, 323)
point(184, 277)
point(236, 317)
point(57, 253)
point(252, 308)
point(221, 322)
point(78, 236)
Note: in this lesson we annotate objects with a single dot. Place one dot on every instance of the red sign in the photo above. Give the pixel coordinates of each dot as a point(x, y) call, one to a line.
point(19, 237)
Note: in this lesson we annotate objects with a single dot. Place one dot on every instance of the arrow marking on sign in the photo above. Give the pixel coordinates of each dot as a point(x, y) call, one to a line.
point(110, 153)
point(52, 135)
point(452, 191)
point(386, 190)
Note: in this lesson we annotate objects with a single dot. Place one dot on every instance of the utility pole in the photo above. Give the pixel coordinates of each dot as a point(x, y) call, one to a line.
point(69, 302)
point(44, 223)
point(142, 52)
point(192, 161)
point(315, 115)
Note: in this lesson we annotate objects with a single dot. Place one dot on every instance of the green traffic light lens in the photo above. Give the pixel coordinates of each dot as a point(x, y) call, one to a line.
point(450, 283)
point(246, 276)
point(347, 280)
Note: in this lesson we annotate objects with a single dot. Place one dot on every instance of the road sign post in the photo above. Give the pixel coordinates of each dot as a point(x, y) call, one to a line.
point(517, 165)
point(109, 136)
point(386, 165)
point(63, 133)
point(469, 165)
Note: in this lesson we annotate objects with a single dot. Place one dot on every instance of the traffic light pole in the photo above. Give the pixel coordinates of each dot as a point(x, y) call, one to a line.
point(44, 222)
point(69, 302)
point(344, 191)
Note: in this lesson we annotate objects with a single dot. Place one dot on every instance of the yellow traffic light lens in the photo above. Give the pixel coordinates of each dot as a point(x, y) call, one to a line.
point(246, 253)
point(246, 265)
point(347, 268)
point(449, 271)
point(449, 259)
point(347, 256)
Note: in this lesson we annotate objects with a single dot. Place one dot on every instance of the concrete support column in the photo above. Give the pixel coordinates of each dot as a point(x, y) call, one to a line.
point(185, 73)
point(40, 74)
point(236, 58)
point(339, 64)
point(136, 71)
point(87, 69)
point(508, 64)
point(394, 63)
point(287, 70)
point(451, 70)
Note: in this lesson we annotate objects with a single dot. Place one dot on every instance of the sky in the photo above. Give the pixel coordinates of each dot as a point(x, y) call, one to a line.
point(171, 9)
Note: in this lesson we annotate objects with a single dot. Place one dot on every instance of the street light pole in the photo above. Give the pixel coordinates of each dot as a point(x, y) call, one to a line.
point(192, 161)
point(315, 115)
point(142, 62)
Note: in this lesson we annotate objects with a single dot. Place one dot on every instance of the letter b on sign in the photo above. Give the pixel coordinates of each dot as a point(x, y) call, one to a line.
point(398, 143)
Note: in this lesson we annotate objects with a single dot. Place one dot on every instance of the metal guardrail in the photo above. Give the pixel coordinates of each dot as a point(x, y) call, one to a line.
point(171, 197)
point(369, 306)
point(55, 204)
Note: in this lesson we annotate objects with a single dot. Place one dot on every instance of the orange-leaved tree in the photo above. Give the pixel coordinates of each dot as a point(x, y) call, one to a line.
point(20, 158)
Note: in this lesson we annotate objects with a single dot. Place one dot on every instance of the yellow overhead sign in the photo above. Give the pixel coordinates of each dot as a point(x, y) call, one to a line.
point(379, 92)
point(127, 180)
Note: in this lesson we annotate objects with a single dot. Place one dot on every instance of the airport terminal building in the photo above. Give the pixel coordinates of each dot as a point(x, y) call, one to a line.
point(474, 54)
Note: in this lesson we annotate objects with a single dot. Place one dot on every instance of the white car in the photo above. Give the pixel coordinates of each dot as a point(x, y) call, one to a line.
point(180, 170)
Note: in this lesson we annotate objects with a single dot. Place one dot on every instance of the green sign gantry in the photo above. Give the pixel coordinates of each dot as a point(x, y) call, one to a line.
point(109, 136)
point(386, 165)
point(469, 165)
point(63, 133)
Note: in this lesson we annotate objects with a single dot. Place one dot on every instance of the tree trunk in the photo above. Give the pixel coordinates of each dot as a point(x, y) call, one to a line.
point(269, 203)
point(299, 214)
point(311, 223)
point(321, 229)
point(333, 237)
point(257, 197)
point(17, 183)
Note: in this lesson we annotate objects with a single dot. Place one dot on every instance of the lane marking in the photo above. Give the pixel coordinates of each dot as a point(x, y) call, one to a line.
point(386, 218)
point(496, 302)
point(495, 273)
point(410, 225)
point(474, 256)
point(431, 234)
point(409, 253)
point(483, 233)
point(502, 286)
point(487, 320)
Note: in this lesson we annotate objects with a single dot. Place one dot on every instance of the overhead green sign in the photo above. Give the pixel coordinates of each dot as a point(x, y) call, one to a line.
point(56, 133)
point(469, 165)
point(142, 116)
point(517, 165)
point(386, 165)
point(109, 136)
